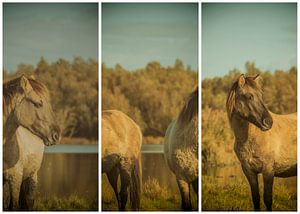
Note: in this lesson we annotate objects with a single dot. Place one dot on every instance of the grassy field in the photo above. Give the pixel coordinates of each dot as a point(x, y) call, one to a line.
point(72, 203)
point(154, 197)
point(234, 194)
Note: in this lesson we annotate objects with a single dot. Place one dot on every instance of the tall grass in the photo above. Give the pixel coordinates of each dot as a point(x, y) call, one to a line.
point(71, 203)
point(154, 197)
point(234, 194)
point(217, 139)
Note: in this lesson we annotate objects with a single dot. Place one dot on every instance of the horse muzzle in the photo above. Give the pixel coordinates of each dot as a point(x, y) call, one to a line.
point(55, 137)
point(267, 124)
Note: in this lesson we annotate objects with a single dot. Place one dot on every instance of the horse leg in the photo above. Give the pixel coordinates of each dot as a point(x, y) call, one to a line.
point(135, 184)
point(6, 195)
point(184, 188)
point(253, 181)
point(268, 189)
point(14, 188)
point(112, 176)
point(195, 187)
point(28, 192)
point(125, 182)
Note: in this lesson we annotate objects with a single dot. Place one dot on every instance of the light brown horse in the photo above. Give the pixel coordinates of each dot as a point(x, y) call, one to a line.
point(29, 123)
point(121, 155)
point(264, 142)
point(181, 149)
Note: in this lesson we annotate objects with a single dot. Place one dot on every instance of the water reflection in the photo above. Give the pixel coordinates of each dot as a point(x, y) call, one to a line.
point(154, 165)
point(63, 175)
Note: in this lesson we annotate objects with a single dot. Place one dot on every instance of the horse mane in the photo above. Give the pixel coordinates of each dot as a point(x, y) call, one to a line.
point(230, 103)
point(190, 109)
point(12, 87)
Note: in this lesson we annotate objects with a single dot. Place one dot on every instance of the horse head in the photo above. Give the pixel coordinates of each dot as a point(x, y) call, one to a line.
point(32, 110)
point(245, 100)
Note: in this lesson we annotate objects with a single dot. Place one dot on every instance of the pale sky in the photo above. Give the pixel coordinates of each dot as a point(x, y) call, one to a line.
point(51, 30)
point(233, 33)
point(134, 34)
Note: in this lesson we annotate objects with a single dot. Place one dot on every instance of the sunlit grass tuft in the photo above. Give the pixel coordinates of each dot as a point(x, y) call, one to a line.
point(72, 203)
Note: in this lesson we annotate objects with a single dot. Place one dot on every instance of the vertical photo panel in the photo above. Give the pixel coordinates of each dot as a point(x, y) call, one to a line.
point(149, 106)
point(50, 107)
point(249, 106)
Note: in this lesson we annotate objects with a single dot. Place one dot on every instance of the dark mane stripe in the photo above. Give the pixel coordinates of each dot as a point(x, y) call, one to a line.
point(230, 103)
point(190, 108)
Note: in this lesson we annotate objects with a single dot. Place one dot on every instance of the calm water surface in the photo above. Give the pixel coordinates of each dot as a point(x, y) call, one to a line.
point(63, 175)
point(154, 166)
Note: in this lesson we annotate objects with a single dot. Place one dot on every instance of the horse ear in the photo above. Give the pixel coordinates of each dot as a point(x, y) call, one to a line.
point(257, 79)
point(241, 81)
point(32, 77)
point(257, 75)
point(25, 84)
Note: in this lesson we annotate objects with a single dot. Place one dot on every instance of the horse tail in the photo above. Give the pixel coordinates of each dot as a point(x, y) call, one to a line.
point(136, 181)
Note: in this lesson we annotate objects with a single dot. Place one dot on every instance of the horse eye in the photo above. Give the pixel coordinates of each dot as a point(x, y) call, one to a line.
point(249, 96)
point(38, 104)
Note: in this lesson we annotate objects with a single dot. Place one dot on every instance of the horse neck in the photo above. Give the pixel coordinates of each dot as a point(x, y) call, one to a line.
point(240, 128)
point(9, 127)
point(190, 131)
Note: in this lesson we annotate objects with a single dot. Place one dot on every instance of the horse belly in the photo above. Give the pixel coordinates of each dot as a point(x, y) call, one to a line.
point(281, 170)
point(287, 172)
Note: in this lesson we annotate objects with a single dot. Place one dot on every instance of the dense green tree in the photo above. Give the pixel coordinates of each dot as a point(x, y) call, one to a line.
point(152, 96)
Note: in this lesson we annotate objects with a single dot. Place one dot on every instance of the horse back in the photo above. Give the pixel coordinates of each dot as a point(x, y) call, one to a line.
point(120, 135)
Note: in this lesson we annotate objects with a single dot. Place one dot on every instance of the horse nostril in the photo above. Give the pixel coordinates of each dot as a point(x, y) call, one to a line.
point(55, 136)
point(267, 122)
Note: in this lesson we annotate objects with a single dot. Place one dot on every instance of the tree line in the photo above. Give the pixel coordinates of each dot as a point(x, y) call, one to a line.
point(153, 96)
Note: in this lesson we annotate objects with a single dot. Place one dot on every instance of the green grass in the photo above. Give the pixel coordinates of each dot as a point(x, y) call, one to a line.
point(72, 203)
point(235, 195)
point(154, 198)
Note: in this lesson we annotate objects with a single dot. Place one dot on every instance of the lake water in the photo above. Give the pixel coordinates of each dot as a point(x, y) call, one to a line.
point(63, 175)
point(66, 149)
point(154, 166)
point(73, 169)
point(63, 148)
